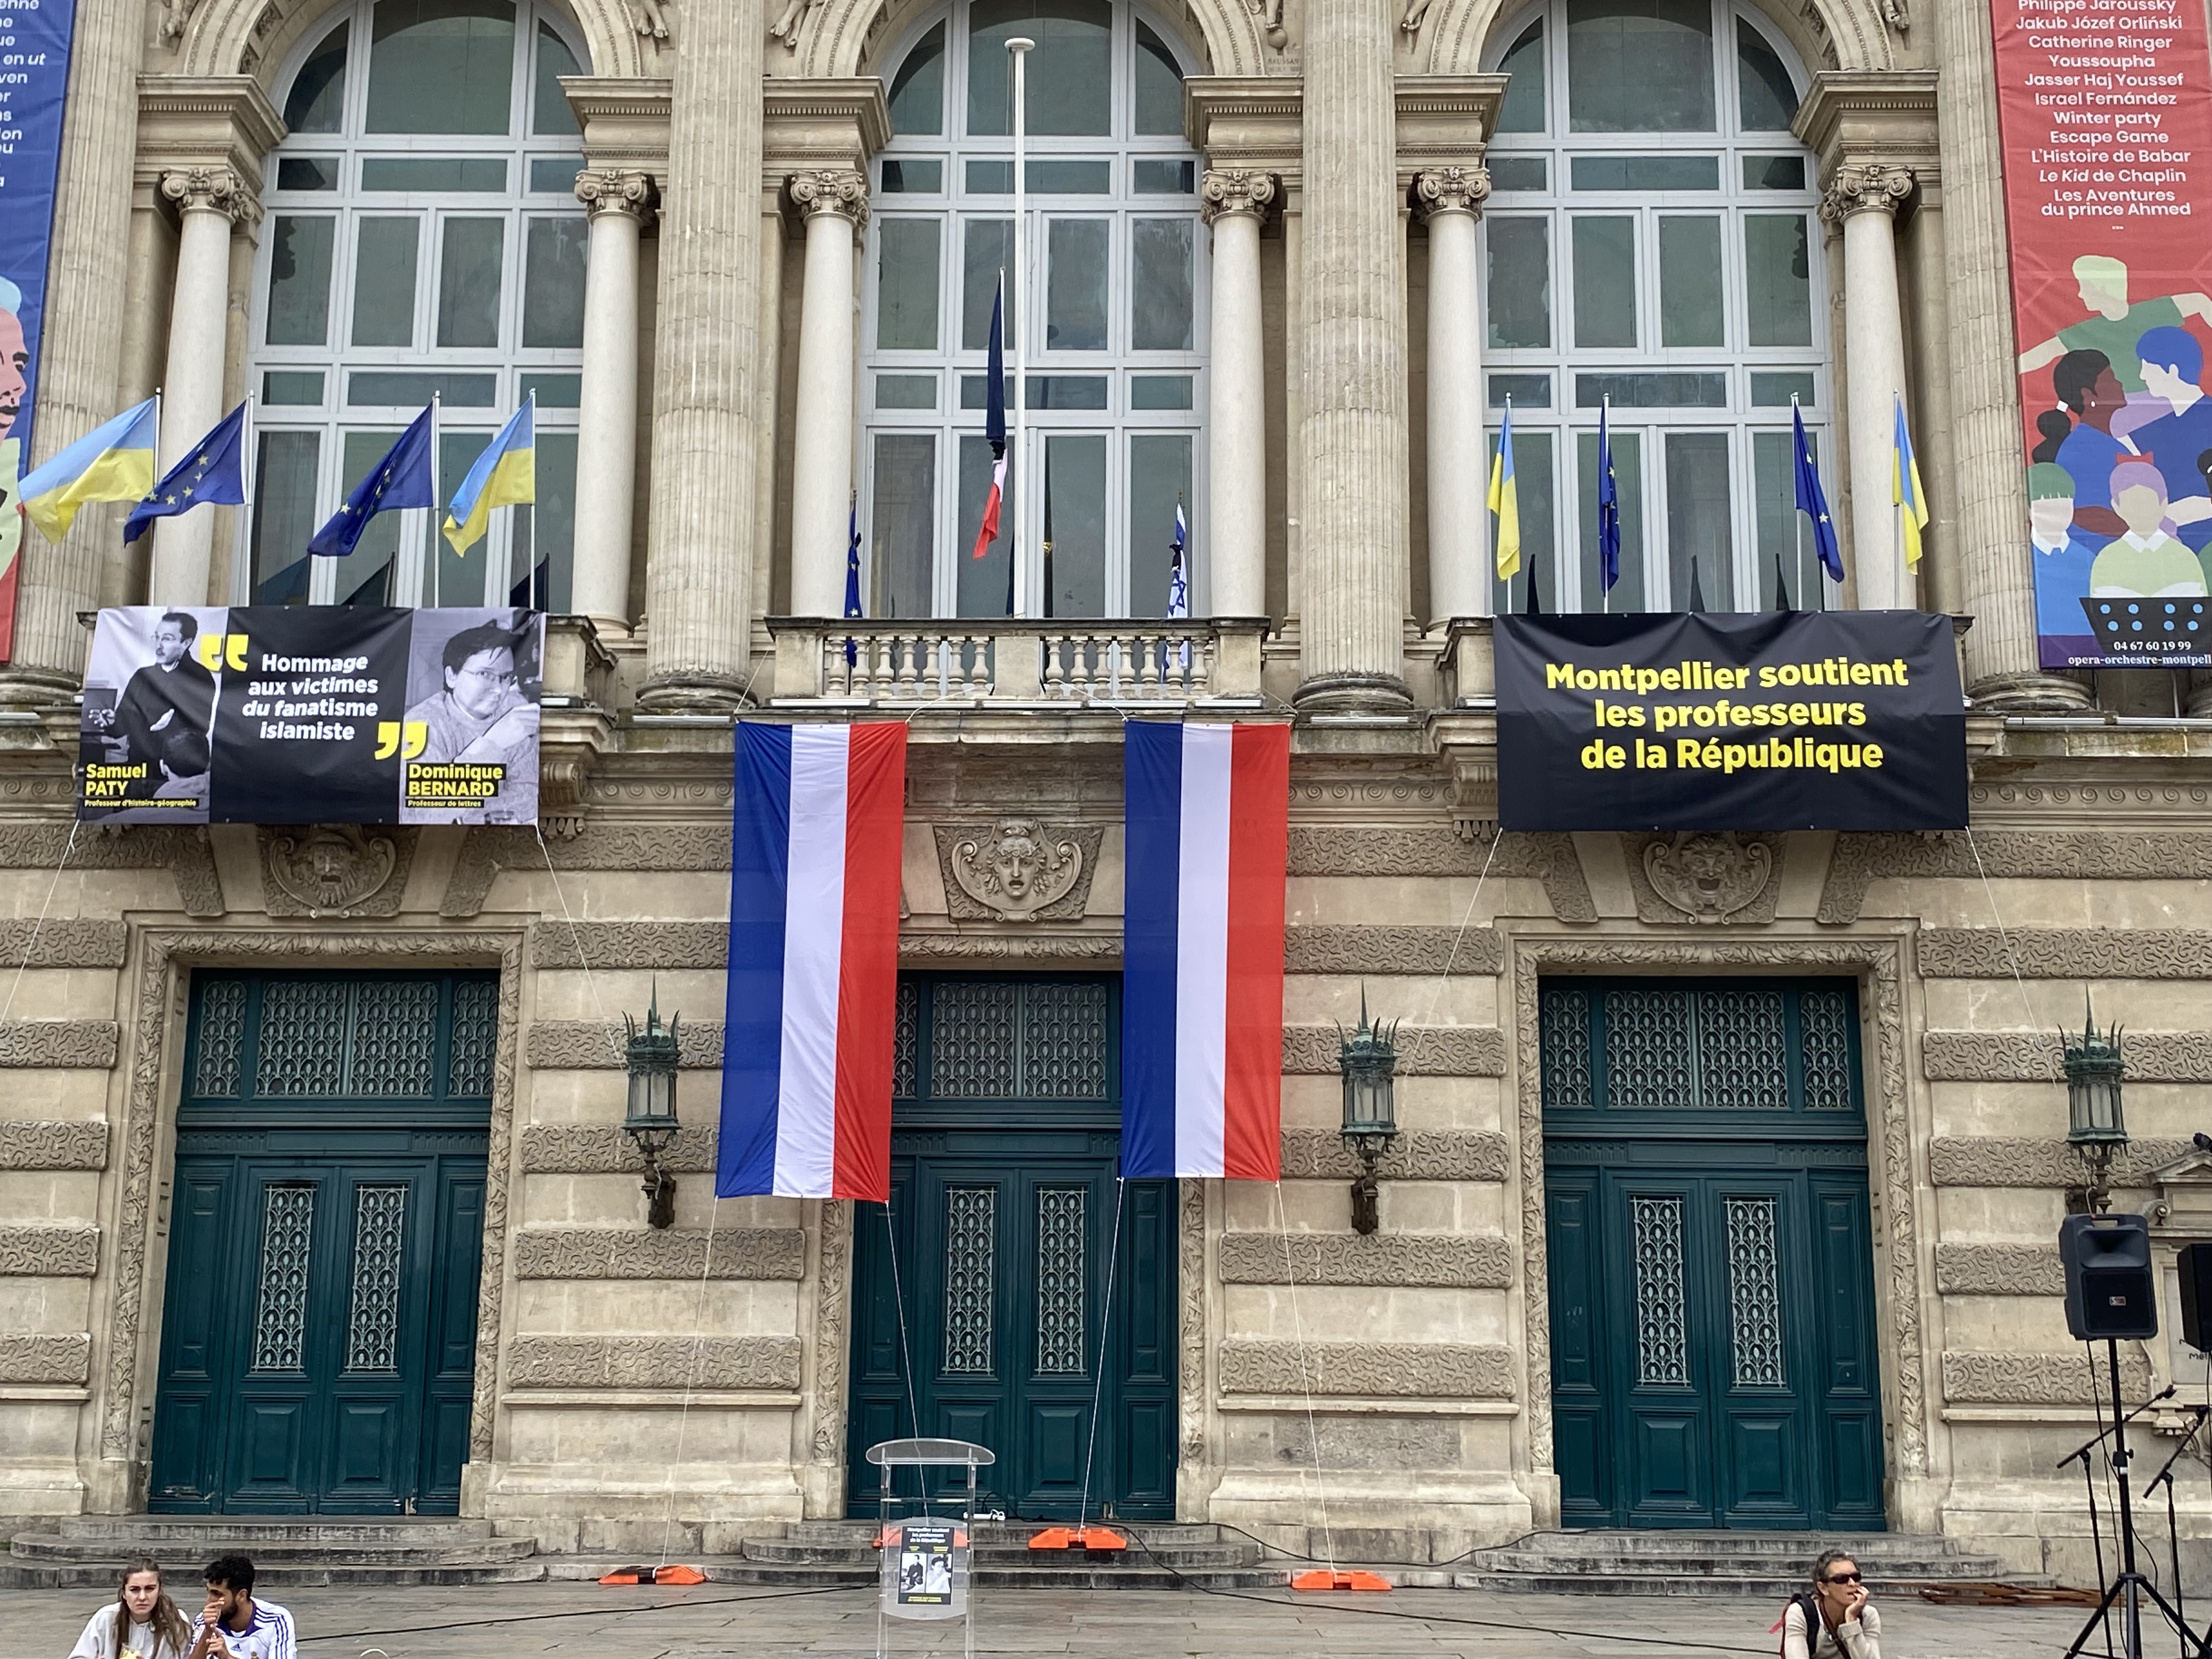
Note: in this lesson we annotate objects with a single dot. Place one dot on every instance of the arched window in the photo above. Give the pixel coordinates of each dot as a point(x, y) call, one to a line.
point(1116, 390)
point(422, 237)
point(1652, 236)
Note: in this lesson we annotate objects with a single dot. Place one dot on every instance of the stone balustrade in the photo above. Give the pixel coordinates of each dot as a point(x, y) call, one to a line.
point(1018, 660)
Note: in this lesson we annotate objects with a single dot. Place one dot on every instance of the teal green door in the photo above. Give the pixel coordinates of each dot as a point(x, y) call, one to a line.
point(1709, 1256)
point(319, 1338)
point(1038, 1290)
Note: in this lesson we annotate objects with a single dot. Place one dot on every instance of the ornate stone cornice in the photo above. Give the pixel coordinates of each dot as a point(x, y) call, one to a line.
point(1999, 1270)
point(1420, 1370)
point(831, 193)
point(2033, 855)
point(2066, 953)
point(654, 1362)
point(1423, 1155)
point(1331, 850)
point(1452, 190)
point(2029, 1161)
point(2034, 1057)
point(2040, 1379)
point(29, 1143)
point(627, 190)
point(59, 1045)
point(1441, 1260)
point(211, 189)
point(637, 1253)
point(49, 1252)
point(49, 1359)
point(1224, 191)
point(1865, 187)
point(62, 942)
point(1010, 947)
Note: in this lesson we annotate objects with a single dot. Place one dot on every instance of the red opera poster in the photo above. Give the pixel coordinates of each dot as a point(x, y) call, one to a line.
point(2104, 109)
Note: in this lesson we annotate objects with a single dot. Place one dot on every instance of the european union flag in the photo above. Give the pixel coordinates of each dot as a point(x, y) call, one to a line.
point(1812, 501)
point(406, 476)
point(212, 473)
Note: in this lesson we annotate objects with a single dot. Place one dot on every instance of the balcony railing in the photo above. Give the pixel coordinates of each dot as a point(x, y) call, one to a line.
point(1015, 661)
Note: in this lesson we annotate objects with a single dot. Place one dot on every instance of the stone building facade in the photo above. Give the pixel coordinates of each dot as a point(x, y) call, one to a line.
point(1304, 309)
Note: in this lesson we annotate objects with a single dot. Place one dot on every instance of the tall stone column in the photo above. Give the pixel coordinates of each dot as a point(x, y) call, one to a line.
point(1995, 578)
point(81, 351)
point(1459, 532)
point(1352, 445)
point(619, 204)
point(699, 560)
point(835, 202)
point(209, 201)
point(1865, 198)
point(1234, 201)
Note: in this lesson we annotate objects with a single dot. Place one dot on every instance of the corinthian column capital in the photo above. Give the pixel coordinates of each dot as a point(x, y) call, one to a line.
point(211, 189)
point(1452, 190)
point(1865, 187)
point(832, 191)
point(612, 190)
point(1224, 191)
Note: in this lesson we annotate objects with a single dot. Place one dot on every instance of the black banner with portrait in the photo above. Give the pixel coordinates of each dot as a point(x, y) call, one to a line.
point(311, 715)
point(1839, 719)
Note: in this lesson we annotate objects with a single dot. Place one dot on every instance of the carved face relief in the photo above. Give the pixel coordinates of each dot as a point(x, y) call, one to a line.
point(1708, 876)
point(332, 866)
point(1017, 868)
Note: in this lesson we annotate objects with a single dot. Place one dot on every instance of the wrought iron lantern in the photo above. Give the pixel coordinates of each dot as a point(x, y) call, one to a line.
point(650, 1057)
point(1369, 1060)
point(2096, 1124)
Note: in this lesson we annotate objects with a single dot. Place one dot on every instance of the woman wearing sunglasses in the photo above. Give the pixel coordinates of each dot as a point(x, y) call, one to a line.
point(1834, 1621)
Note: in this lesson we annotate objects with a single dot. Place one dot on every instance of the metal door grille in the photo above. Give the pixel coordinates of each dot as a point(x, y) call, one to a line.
point(280, 1317)
point(1060, 1270)
point(380, 1235)
point(971, 1215)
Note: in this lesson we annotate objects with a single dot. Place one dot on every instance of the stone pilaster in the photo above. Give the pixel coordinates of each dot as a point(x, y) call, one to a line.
point(1459, 535)
point(81, 350)
point(706, 427)
point(1864, 197)
point(1234, 201)
point(620, 203)
point(1996, 582)
point(1351, 446)
point(834, 203)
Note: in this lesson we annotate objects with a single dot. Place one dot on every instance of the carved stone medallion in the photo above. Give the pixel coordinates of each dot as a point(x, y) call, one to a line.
point(1709, 877)
point(1017, 869)
point(329, 869)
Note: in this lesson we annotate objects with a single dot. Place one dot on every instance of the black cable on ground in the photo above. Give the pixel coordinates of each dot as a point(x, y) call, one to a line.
point(1368, 1560)
point(585, 1613)
point(1188, 1583)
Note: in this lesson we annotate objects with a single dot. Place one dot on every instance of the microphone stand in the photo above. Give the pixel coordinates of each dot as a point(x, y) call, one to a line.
point(2165, 1477)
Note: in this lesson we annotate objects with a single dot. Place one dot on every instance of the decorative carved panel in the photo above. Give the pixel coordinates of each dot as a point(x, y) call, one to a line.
point(334, 869)
point(1423, 1051)
point(609, 944)
point(1326, 949)
point(182, 849)
point(643, 1253)
point(2035, 1057)
point(1334, 850)
point(2025, 1161)
point(1705, 877)
point(1017, 869)
point(63, 942)
point(2066, 953)
point(654, 1362)
point(50, 1252)
point(1443, 1261)
point(28, 1143)
point(1999, 1270)
point(2041, 1379)
point(59, 1045)
point(66, 1360)
point(1421, 1370)
point(1423, 1155)
point(2047, 856)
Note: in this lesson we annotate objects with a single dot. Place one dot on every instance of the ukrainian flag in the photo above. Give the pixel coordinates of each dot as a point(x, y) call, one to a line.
point(1505, 503)
point(111, 463)
point(505, 475)
point(1904, 489)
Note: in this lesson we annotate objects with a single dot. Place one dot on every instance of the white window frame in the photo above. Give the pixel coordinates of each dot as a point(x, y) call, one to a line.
point(953, 208)
point(1572, 566)
point(508, 362)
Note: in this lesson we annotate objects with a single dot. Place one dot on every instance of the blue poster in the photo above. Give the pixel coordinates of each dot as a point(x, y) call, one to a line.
point(35, 66)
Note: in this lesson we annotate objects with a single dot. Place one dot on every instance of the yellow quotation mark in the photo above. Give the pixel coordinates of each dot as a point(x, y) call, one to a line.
point(387, 738)
point(221, 651)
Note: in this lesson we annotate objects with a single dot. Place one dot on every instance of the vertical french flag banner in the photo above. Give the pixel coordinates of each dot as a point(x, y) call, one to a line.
point(813, 984)
point(1208, 819)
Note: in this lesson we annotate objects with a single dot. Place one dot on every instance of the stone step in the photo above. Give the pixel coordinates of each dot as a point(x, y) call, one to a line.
point(18, 1574)
point(287, 1550)
point(484, 1552)
point(1735, 1563)
point(1158, 1533)
point(1790, 1545)
point(219, 1531)
point(1077, 1575)
point(1007, 1554)
point(1568, 1581)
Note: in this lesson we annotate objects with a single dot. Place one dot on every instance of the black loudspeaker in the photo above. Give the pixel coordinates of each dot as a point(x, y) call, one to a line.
point(2195, 1264)
point(2110, 1288)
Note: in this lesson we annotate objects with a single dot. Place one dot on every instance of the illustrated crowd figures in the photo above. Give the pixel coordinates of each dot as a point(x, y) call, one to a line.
point(2120, 505)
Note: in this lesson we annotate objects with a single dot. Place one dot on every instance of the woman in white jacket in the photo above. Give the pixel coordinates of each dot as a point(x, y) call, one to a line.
point(1843, 1624)
point(141, 1623)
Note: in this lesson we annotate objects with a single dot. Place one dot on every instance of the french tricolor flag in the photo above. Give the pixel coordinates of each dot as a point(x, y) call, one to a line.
point(1208, 809)
point(813, 984)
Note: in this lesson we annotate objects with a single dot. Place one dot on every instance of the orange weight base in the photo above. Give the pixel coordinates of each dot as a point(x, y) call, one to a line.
point(1321, 1578)
point(1078, 1538)
point(668, 1575)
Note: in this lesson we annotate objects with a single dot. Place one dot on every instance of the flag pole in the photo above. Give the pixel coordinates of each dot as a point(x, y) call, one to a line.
point(1605, 467)
point(437, 573)
point(241, 554)
point(1020, 47)
point(1797, 517)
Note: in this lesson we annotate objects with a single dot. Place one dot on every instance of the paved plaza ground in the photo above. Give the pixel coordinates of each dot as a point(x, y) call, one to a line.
point(558, 1621)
